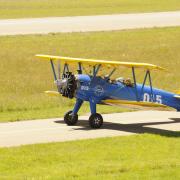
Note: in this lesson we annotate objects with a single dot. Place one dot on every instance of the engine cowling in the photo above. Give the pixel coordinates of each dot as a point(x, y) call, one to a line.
point(67, 85)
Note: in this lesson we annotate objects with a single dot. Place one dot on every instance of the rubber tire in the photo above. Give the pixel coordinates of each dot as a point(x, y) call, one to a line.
point(69, 119)
point(93, 121)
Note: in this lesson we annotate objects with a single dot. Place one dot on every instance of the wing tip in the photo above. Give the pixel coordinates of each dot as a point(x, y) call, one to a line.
point(162, 69)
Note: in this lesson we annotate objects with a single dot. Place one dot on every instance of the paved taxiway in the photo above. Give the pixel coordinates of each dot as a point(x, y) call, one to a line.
point(89, 23)
point(54, 130)
point(117, 124)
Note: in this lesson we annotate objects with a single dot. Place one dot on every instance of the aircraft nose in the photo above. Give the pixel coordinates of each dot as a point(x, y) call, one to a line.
point(62, 83)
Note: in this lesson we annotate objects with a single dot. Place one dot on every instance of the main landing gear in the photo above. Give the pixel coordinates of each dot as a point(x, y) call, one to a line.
point(70, 119)
point(95, 119)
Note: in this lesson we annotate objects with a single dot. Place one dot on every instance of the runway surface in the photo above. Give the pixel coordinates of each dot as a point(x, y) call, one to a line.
point(88, 23)
point(118, 124)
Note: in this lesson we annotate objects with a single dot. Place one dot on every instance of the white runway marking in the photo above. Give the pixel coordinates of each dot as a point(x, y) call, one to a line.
point(89, 23)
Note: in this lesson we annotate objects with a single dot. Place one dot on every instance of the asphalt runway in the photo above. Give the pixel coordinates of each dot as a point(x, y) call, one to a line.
point(88, 23)
point(117, 124)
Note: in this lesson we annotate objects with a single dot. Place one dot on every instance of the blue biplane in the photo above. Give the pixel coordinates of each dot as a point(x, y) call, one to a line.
point(98, 89)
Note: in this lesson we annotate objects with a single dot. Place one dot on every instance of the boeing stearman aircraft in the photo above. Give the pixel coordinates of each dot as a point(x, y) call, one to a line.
point(97, 89)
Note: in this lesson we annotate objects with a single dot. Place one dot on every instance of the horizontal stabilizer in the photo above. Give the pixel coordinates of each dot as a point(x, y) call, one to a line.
point(52, 93)
point(133, 103)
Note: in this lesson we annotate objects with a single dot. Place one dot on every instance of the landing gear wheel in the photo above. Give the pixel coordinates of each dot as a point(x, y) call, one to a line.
point(70, 119)
point(95, 121)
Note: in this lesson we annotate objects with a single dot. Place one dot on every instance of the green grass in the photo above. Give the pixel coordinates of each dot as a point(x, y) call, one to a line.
point(44, 8)
point(131, 157)
point(49, 112)
point(24, 78)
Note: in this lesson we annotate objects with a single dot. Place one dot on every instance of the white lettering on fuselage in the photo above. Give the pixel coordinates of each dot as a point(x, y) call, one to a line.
point(85, 88)
point(157, 98)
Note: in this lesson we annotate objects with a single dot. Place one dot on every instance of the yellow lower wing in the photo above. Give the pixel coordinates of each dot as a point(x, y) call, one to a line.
point(178, 92)
point(52, 93)
point(133, 103)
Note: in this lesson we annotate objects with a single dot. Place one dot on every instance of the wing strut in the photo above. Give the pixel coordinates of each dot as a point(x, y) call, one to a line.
point(96, 69)
point(148, 74)
point(111, 73)
point(144, 82)
point(79, 68)
point(66, 69)
point(150, 81)
point(135, 84)
point(53, 69)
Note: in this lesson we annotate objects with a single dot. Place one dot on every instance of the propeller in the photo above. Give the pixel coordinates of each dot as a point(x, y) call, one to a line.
point(67, 83)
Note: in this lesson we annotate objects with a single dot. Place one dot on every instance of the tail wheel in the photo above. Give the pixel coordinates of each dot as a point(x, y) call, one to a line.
point(70, 119)
point(95, 121)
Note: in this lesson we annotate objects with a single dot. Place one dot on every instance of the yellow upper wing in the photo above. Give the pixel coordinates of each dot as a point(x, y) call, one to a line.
point(70, 60)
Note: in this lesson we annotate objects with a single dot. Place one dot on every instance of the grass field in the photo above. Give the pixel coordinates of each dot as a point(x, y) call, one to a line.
point(44, 8)
point(24, 78)
point(131, 157)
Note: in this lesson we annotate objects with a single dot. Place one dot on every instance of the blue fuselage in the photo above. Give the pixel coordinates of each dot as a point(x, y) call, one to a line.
point(97, 89)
